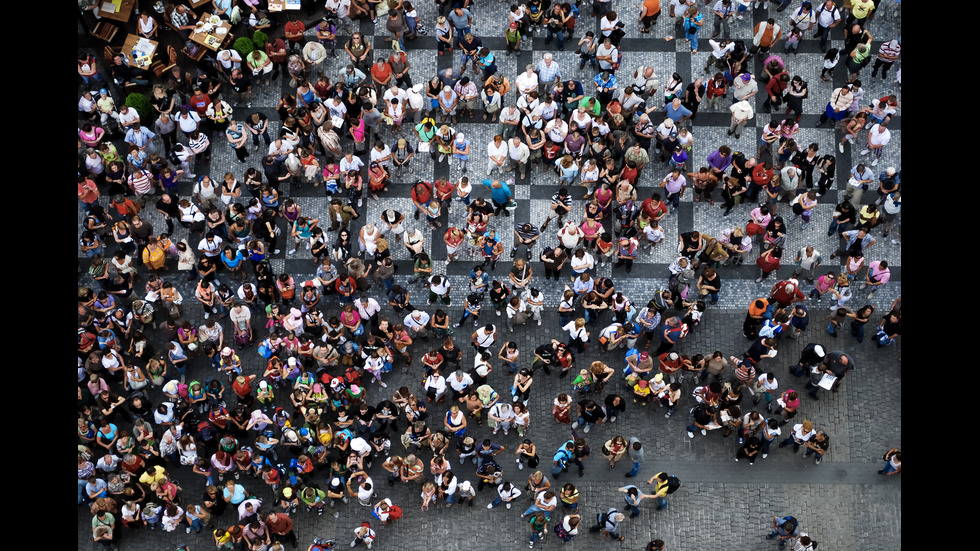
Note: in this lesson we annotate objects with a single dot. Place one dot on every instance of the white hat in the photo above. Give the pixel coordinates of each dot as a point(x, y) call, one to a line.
point(819, 350)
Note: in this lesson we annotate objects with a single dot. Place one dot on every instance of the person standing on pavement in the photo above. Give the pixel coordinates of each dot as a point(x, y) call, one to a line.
point(784, 528)
point(636, 456)
point(664, 484)
point(893, 462)
point(633, 498)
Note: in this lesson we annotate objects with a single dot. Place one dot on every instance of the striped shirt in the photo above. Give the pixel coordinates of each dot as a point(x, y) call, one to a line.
point(889, 50)
point(548, 73)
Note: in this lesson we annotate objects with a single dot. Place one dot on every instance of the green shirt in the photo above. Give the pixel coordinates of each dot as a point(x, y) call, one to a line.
point(255, 64)
point(512, 35)
point(107, 522)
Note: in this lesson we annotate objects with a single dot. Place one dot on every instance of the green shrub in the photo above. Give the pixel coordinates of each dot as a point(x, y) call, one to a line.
point(259, 39)
point(141, 104)
point(244, 46)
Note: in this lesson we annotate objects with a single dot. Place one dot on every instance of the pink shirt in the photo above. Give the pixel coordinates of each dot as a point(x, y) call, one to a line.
point(879, 275)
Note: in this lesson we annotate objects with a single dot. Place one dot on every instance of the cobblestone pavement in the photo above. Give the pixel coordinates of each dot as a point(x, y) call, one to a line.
point(842, 503)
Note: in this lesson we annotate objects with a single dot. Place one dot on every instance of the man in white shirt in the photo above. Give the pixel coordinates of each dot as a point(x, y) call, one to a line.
point(519, 155)
point(381, 154)
point(557, 130)
point(484, 337)
point(229, 59)
point(719, 54)
point(460, 381)
point(510, 119)
point(350, 162)
point(280, 149)
point(741, 114)
point(368, 309)
point(188, 120)
point(878, 138)
point(828, 17)
point(415, 324)
point(606, 54)
point(210, 246)
point(439, 287)
point(645, 80)
point(340, 9)
point(527, 81)
point(128, 116)
point(496, 154)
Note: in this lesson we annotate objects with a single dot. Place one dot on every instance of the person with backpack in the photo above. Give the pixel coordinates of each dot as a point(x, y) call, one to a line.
point(608, 523)
point(784, 528)
point(664, 484)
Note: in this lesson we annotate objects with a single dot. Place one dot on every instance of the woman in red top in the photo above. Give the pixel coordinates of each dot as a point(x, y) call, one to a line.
point(768, 262)
point(454, 240)
point(379, 179)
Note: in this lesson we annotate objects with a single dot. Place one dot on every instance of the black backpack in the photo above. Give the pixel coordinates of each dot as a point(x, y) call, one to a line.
point(789, 526)
point(673, 483)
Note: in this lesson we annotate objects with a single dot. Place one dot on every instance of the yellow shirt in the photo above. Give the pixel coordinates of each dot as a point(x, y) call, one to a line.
point(641, 391)
point(861, 8)
point(158, 474)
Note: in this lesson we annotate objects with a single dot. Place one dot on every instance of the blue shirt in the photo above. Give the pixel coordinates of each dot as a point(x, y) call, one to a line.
point(238, 496)
point(610, 83)
point(140, 139)
point(499, 195)
point(676, 114)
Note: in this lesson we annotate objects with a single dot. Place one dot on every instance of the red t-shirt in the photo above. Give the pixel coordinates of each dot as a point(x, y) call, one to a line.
point(293, 27)
point(422, 192)
point(761, 176)
point(445, 189)
point(200, 104)
point(243, 389)
point(89, 192)
point(785, 298)
point(654, 211)
point(382, 73)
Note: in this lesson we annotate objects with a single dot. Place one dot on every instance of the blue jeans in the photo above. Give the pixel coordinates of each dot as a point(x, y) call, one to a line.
point(693, 37)
point(831, 329)
point(389, 284)
point(635, 469)
point(534, 537)
point(824, 34)
point(582, 423)
point(883, 339)
point(838, 227)
point(766, 444)
point(661, 503)
point(857, 331)
point(888, 468)
point(533, 509)
point(497, 501)
point(556, 470)
point(675, 198)
point(560, 36)
point(634, 510)
point(82, 498)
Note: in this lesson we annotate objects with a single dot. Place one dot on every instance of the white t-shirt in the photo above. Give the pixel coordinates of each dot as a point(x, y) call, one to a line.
point(879, 135)
point(128, 117)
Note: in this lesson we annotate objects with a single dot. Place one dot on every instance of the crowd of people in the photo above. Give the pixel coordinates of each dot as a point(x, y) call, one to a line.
point(271, 386)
